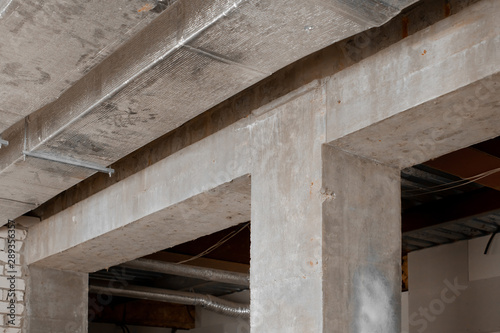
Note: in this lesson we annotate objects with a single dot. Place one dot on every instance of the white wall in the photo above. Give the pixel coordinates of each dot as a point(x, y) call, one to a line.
point(455, 288)
point(405, 325)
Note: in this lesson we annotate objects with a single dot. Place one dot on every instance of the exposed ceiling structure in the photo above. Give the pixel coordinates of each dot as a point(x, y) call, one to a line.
point(118, 75)
point(86, 83)
point(222, 271)
point(451, 198)
point(233, 255)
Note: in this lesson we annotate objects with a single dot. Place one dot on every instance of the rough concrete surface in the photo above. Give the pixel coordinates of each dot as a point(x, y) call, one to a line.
point(325, 223)
point(155, 199)
point(361, 245)
point(419, 70)
point(56, 301)
point(286, 238)
point(193, 56)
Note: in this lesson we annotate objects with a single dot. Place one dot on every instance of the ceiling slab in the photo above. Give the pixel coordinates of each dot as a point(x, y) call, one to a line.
point(46, 46)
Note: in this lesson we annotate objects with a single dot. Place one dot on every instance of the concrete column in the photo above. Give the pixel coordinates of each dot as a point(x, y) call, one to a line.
point(57, 301)
point(285, 267)
point(325, 250)
point(361, 245)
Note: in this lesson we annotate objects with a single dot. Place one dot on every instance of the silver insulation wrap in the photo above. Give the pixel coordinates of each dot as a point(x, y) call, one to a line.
point(202, 273)
point(208, 302)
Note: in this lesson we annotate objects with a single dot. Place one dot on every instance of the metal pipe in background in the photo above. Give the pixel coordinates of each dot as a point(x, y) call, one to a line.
point(208, 302)
point(202, 273)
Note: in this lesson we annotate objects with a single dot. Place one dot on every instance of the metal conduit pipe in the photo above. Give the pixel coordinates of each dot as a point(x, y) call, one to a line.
point(208, 302)
point(208, 274)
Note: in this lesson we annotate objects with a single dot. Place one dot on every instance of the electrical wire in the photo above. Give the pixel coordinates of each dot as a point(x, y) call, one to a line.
point(491, 239)
point(216, 245)
point(474, 178)
point(124, 328)
point(464, 181)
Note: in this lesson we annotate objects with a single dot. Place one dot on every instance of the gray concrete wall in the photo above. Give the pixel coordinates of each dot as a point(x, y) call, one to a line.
point(56, 301)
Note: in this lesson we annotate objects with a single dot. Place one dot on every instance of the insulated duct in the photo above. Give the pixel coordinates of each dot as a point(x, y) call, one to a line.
point(208, 274)
point(208, 302)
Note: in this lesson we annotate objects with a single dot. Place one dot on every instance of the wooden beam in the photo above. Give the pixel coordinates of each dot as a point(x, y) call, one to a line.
point(147, 313)
point(404, 272)
point(491, 146)
point(451, 209)
point(469, 162)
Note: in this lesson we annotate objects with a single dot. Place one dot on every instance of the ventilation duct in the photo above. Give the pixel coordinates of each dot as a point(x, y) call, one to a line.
point(208, 302)
point(202, 273)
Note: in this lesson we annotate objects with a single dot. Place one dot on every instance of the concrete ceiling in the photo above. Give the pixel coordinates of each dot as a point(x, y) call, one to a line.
point(47, 46)
point(91, 81)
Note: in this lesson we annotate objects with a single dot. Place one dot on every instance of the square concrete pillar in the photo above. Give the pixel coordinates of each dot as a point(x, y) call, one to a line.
point(57, 301)
point(361, 245)
point(326, 240)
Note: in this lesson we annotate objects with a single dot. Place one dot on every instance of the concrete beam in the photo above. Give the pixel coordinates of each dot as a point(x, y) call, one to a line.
point(423, 92)
point(197, 191)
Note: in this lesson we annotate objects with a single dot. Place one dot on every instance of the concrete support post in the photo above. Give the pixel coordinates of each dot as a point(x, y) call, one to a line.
point(285, 267)
point(325, 250)
point(361, 245)
point(57, 301)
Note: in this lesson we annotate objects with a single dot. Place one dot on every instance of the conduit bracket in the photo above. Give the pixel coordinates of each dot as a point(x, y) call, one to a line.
point(68, 161)
point(3, 143)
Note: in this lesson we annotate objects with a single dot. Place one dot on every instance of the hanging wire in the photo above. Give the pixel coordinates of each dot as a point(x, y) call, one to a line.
point(124, 328)
point(216, 245)
point(491, 239)
point(464, 181)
